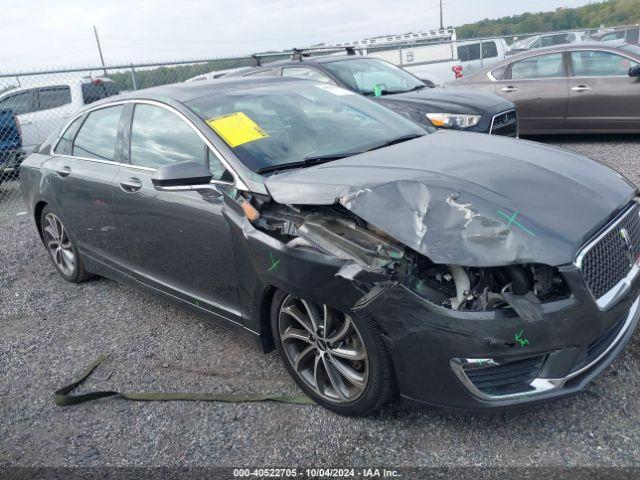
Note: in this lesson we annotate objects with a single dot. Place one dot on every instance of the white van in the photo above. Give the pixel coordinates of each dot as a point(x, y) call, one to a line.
point(40, 109)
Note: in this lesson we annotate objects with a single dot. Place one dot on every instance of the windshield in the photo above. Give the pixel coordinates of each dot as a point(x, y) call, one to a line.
point(286, 122)
point(524, 44)
point(364, 75)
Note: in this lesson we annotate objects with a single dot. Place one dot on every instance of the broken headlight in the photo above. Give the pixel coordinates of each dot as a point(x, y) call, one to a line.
point(453, 120)
point(481, 289)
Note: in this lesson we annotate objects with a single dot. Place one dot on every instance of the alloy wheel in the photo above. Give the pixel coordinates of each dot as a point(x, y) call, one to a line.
point(325, 349)
point(59, 244)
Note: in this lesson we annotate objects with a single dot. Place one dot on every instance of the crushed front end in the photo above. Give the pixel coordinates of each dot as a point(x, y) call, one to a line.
point(461, 337)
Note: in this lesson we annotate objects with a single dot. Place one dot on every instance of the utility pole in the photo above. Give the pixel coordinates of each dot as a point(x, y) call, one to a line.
point(95, 31)
point(441, 23)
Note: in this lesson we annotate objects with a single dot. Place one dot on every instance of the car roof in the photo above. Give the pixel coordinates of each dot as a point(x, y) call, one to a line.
point(613, 45)
point(186, 91)
point(319, 59)
point(607, 32)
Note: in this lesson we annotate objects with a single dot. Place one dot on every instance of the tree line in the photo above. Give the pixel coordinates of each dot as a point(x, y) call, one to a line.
point(594, 15)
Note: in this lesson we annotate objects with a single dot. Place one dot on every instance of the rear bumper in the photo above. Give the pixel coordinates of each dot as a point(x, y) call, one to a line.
point(493, 360)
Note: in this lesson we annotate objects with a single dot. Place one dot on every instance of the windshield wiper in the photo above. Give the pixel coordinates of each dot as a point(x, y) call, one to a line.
point(393, 92)
point(306, 162)
point(404, 138)
point(413, 89)
point(319, 159)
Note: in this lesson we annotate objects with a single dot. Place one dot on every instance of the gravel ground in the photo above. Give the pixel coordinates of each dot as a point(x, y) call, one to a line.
point(50, 330)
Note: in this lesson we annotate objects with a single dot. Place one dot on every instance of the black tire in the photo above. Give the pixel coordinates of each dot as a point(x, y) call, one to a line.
point(75, 273)
point(380, 384)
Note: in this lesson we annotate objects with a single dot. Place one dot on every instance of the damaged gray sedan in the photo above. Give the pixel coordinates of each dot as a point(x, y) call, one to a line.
point(456, 269)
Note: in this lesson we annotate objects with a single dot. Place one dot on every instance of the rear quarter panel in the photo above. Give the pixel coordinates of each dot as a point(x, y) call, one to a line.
point(33, 181)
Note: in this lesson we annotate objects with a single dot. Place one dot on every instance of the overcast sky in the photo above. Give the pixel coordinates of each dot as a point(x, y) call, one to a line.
point(42, 33)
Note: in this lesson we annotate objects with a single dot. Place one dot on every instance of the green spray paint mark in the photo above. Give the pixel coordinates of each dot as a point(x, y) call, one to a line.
point(274, 263)
point(197, 303)
point(520, 340)
point(512, 220)
point(377, 91)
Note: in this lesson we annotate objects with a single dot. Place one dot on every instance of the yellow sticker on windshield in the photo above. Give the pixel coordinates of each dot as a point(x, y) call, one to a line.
point(236, 129)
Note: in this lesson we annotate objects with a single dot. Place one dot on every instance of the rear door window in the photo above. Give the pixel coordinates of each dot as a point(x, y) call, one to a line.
point(65, 145)
point(97, 136)
point(97, 90)
point(498, 73)
point(541, 66)
point(52, 97)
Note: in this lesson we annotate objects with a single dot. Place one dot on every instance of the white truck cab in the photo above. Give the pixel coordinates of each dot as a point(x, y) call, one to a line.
point(439, 63)
point(40, 109)
point(435, 56)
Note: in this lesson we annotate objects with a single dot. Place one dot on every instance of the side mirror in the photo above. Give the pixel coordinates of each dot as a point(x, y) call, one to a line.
point(182, 174)
point(634, 71)
point(428, 83)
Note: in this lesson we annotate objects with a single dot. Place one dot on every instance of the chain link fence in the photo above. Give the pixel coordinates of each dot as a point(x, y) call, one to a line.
point(33, 104)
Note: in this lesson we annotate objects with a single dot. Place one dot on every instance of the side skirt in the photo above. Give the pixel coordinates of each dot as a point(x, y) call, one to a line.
point(100, 268)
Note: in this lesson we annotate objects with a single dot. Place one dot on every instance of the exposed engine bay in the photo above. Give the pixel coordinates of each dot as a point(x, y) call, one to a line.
point(373, 256)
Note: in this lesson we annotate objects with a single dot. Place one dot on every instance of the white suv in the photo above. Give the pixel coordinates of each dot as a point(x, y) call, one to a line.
point(39, 109)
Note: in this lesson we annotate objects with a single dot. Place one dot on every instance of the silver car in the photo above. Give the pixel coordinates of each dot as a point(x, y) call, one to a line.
point(581, 88)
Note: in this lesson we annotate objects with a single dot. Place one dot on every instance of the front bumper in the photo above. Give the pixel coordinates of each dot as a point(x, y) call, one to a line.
point(489, 360)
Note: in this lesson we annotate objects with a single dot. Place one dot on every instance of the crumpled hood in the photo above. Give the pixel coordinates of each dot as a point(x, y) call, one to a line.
point(441, 100)
point(469, 199)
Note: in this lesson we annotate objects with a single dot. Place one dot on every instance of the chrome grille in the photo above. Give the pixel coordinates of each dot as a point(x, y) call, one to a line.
point(610, 258)
point(505, 123)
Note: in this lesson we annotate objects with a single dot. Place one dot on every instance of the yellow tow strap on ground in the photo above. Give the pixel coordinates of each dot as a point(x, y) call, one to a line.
point(64, 398)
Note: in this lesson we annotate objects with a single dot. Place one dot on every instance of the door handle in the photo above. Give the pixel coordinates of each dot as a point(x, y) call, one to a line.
point(581, 88)
point(64, 171)
point(509, 89)
point(25, 122)
point(131, 184)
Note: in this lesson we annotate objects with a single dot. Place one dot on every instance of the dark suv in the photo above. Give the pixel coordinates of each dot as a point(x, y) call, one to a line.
point(400, 91)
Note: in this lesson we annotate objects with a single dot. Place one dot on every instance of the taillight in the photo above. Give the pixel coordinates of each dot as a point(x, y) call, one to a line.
point(457, 71)
point(96, 81)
